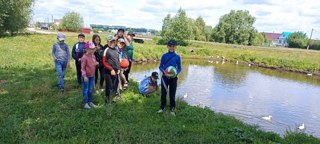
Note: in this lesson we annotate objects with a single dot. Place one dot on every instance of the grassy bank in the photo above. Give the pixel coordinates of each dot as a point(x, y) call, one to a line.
point(297, 60)
point(33, 111)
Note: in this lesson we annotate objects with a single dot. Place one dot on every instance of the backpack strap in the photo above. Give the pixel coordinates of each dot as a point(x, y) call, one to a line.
point(169, 59)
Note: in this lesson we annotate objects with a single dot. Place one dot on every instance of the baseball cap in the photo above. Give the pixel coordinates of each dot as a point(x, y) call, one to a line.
point(121, 40)
point(89, 45)
point(131, 33)
point(121, 29)
point(172, 43)
point(155, 75)
point(81, 35)
point(61, 37)
point(110, 38)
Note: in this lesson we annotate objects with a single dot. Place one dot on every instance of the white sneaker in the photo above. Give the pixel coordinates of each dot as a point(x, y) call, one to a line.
point(173, 113)
point(102, 90)
point(92, 105)
point(97, 92)
point(86, 106)
point(160, 111)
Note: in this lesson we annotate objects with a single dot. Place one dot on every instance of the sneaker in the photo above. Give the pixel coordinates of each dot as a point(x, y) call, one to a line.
point(61, 90)
point(97, 92)
point(125, 86)
point(160, 111)
point(101, 90)
point(173, 113)
point(86, 106)
point(92, 105)
point(119, 98)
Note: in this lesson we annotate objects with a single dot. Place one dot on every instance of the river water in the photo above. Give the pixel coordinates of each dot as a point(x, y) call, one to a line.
point(249, 93)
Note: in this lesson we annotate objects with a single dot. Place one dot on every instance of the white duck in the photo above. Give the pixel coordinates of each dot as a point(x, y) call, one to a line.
point(301, 127)
point(185, 96)
point(268, 118)
point(237, 62)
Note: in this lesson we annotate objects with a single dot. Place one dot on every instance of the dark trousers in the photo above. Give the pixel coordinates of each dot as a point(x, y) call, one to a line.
point(126, 73)
point(172, 84)
point(78, 68)
point(112, 83)
point(100, 70)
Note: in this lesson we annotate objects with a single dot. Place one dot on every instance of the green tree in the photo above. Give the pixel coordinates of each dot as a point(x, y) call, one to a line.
point(208, 32)
point(235, 27)
point(200, 29)
point(71, 21)
point(14, 15)
point(298, 40)
point(177, 28)
point(38, 24)
point(259, 39)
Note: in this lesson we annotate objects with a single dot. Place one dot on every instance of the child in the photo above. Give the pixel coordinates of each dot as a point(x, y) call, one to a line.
point(169, 59)
point(112, 67)
point(61, 56)
point(129, 54)
point(149, 84)
point(121, 34)
point(77, 53)
point(122, 55)
point(88, 66)
point(100, 69)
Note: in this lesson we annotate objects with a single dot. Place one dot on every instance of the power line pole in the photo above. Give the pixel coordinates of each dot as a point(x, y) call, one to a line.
point(309, 39)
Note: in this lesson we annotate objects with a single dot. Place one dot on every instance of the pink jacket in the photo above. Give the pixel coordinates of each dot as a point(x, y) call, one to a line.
point(88, 65)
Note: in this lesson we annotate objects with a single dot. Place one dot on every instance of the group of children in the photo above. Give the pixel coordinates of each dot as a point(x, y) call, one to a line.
point(93, 60)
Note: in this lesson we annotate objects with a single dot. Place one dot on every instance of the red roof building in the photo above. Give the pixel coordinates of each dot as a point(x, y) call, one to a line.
point(273, 37)
point(86, 30)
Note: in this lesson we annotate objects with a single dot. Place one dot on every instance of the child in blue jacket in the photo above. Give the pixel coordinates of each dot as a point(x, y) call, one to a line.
point(169, 59)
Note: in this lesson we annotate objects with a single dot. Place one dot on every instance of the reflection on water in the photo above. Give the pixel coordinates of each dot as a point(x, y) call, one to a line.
point(249, 93)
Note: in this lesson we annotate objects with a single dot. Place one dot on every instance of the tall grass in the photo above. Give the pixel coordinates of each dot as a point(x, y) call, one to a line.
point(33, 111)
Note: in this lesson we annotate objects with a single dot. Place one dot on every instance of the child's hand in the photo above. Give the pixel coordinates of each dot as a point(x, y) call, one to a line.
point(79, 59)
point(97, 63)
point(113, 73)
point(118, 72)
point(85, 79)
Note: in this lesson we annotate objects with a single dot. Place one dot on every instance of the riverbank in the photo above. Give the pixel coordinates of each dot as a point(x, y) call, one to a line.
point(288, 59)
point(32, 109)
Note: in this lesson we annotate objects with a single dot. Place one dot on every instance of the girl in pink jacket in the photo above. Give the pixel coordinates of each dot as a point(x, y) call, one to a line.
point(88, 67)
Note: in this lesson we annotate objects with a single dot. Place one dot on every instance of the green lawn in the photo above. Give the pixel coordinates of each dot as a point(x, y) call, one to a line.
point(33, 111)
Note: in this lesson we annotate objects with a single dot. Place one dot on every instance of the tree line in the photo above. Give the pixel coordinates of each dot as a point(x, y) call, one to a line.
point(236, 27)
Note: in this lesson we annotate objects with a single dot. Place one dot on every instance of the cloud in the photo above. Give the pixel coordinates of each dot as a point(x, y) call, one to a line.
point(271, 15)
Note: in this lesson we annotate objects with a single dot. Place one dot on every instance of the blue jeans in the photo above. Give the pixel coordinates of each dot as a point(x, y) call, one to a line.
point(87, 89)
point(61, 70)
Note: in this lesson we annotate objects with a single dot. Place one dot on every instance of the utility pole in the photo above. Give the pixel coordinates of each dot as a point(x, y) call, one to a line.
point(309, 39)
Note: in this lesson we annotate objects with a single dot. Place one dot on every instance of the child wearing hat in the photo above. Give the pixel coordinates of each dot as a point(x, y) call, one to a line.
point(149, 84)
point(169, 59)
point(88, 67)
point(121, 34)
point(122, 56)
point(111, 64)
point(61, 56)
point(77, 53)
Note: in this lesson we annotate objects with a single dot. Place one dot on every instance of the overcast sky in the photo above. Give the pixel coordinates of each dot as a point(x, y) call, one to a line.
point(271, 15)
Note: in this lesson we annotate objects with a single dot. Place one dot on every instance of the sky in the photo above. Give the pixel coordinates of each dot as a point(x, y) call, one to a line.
point(271, 15)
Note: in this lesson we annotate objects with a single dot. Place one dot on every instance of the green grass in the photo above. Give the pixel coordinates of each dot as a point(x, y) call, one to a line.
point(33, 111)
